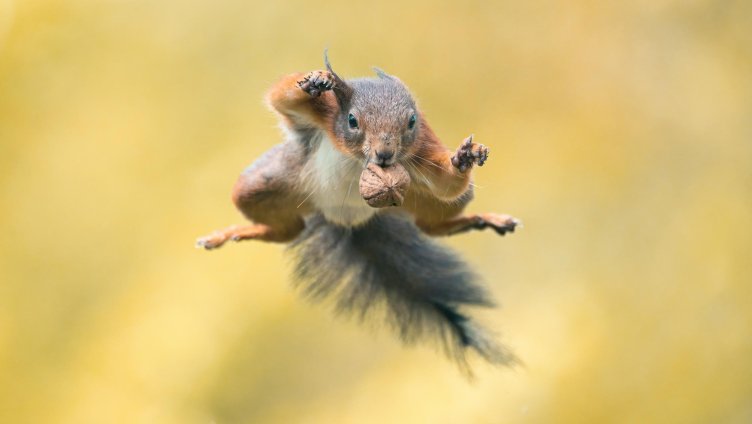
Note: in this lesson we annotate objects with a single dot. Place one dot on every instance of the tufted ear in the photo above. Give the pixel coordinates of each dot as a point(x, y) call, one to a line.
point(381, 74)
point(341, 89)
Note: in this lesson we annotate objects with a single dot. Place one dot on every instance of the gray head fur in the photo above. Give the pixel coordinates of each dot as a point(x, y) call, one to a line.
point(382, 109)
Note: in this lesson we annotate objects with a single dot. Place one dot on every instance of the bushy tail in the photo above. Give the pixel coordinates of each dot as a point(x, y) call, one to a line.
point(389, 265)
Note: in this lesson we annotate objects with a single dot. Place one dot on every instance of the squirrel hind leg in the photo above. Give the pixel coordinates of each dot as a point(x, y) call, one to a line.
point(261, 232)
point(500, 223)
point(268, 194)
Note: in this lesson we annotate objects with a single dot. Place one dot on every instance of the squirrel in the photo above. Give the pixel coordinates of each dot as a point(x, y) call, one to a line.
point(301, 192)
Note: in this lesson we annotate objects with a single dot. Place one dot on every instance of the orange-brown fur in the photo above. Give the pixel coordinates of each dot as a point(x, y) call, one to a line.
point(269, 194)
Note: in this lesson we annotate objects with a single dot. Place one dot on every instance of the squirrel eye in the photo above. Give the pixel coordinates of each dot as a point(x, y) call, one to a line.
point(352, 122)
point(411, 122)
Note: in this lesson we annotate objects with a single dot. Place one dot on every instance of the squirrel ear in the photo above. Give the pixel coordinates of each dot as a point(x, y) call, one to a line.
point(341, 89)
point(381, 74)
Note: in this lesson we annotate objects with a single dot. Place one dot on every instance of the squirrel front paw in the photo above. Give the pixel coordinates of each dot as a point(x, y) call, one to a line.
point(316, 82)
point(469, 153)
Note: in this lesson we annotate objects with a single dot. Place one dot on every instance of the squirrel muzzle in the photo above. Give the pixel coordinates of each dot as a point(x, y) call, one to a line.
point(383, 150)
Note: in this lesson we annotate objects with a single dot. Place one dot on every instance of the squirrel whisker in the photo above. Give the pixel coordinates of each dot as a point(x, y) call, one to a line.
point(306, 198)
point(412, 166)
point(433, 164)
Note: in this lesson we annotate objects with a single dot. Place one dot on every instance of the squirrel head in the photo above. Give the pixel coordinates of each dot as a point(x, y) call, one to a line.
point(377, 118)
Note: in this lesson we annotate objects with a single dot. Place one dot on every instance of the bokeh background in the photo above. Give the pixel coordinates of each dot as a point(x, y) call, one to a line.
point(621, 134)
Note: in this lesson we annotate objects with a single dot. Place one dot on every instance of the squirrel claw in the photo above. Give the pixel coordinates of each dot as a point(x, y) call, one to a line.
point(502, 224)
point(316, 82)
point(468, 154)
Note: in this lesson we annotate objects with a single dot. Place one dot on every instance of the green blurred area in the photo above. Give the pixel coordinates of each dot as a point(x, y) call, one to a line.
point(621, 134)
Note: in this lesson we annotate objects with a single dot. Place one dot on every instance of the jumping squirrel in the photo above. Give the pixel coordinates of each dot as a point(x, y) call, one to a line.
point(369, 260)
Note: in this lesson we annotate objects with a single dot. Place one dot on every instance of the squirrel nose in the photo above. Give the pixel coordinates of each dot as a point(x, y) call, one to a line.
point(384, 155)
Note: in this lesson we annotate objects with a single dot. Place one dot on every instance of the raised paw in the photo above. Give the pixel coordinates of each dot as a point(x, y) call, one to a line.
point(316, 82)
point(469, 153)
point(502, 224)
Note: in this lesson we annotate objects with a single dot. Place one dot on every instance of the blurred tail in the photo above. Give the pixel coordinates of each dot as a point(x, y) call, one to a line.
point(388, 261)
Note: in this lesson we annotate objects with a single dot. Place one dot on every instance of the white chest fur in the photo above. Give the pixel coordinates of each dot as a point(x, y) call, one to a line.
point(335, 177)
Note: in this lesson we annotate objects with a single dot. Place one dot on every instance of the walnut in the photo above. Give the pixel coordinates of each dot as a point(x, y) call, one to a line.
point(382, 187)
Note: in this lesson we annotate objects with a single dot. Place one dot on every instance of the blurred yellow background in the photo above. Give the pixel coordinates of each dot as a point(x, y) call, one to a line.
point(621, 133)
